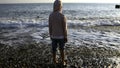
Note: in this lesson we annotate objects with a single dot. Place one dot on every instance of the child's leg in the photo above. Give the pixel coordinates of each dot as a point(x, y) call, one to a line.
point(54, 47)
point(61, 48)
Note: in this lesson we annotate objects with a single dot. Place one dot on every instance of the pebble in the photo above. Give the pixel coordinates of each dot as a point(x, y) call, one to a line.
point(39, 56)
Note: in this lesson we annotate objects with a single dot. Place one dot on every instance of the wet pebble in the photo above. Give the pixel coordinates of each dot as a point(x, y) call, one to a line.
point(38, 55)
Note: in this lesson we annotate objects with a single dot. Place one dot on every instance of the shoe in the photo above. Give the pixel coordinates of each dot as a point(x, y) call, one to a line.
point(65, 64)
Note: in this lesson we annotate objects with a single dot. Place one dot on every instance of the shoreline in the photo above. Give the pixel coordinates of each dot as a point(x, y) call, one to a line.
point(86, 47)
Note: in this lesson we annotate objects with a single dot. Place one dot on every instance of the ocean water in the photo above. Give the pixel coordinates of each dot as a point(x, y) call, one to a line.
point(90, 24)
point(82, 14)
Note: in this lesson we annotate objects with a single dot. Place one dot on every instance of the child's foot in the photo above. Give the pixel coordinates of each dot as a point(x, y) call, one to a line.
point(64, 64)
point(55, 62)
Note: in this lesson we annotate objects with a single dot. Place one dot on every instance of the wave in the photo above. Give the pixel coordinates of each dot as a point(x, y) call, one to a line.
point(22, 23)
point(95, 22)
point(42, 22)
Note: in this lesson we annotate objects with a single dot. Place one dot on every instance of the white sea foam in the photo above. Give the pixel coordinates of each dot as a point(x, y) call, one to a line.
point(81, 37)
point(78, 15)
point(76, 36)
point(28, 22)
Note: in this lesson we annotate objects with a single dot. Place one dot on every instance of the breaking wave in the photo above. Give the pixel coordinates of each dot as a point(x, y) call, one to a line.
point(41, 22)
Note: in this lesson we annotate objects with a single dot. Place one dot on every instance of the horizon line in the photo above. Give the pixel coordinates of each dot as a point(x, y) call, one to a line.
point(63, 2)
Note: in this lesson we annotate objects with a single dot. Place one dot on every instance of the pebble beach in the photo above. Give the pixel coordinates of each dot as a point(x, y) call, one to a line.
point(27, 49)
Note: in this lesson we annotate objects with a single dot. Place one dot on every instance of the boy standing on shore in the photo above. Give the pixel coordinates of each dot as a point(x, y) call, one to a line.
point(58, 30)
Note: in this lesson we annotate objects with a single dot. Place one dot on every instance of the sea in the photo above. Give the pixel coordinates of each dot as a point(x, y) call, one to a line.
point(90, 24)
point(92, 13)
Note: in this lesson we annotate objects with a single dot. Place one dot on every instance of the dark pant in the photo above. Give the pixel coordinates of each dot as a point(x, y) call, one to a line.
point(56, 43)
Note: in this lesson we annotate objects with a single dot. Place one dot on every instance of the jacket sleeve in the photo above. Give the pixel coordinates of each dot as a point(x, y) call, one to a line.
point(64, 27)
point(50, 26)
